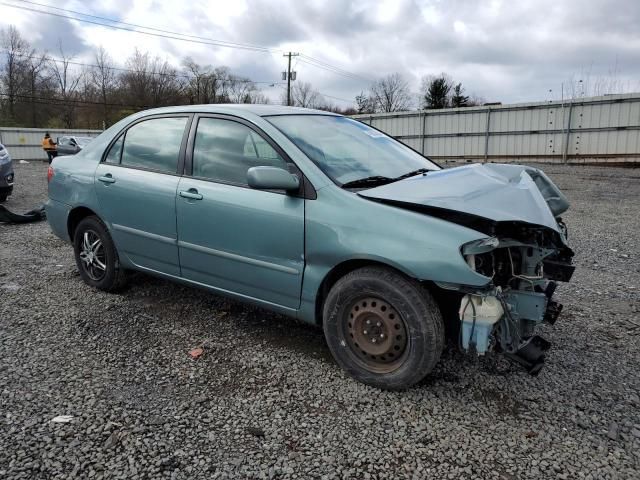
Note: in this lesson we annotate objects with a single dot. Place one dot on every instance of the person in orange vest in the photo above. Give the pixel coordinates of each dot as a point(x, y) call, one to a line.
point(49, 146)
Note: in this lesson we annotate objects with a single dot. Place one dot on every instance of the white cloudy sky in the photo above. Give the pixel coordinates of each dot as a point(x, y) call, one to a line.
point(509, 51)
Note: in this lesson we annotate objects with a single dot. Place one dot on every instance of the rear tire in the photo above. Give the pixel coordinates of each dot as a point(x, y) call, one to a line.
point(3, 198)
point(96, 256)
point(383, 328)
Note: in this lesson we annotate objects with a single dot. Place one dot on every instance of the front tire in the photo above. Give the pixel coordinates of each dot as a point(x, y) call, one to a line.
point(383, 328)
point(96, 256)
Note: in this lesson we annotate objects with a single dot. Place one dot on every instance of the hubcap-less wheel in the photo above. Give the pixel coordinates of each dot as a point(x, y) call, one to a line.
point(92, 255)
point(377, 334)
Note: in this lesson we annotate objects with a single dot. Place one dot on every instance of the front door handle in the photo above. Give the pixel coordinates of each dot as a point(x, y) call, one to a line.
point(108, 178)
point(192, 193)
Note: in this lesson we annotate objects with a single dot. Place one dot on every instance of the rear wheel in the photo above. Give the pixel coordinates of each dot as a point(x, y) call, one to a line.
point(383, 328)
point(96, 256)
point(3, 197)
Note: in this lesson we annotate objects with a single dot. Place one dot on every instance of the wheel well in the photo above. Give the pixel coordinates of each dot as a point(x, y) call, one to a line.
point(448, 301)
point(75, 216)
point(336, 274)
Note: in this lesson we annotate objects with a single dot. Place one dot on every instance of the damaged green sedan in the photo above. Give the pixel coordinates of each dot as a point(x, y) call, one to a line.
point(325, 219)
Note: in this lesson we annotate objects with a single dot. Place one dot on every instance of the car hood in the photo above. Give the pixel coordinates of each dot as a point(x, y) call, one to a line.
point(495, 192)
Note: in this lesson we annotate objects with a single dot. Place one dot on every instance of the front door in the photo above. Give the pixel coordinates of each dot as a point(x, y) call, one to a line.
point(136, 186)
point(231, 237)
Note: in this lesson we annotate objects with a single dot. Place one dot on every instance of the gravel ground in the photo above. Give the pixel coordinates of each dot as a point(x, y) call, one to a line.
point(266, 400)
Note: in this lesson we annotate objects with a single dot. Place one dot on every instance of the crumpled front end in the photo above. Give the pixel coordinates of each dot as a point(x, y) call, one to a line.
point(523, 264)
point(523, 255)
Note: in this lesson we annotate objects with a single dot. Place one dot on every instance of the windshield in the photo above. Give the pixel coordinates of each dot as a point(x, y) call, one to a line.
point(347, 150)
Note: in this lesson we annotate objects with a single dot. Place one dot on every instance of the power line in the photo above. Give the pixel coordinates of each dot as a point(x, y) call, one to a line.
point(173, 37)
point(327, 66)
point(188, 38)
point(336, 98)
point(222, 42)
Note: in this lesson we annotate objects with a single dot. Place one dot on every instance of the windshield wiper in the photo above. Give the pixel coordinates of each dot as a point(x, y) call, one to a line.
point(377, 180)
point(372, 181)
point(412, 173)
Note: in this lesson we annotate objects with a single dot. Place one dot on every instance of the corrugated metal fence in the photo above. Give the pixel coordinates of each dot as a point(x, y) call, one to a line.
point(26, 143)
point(586, 130)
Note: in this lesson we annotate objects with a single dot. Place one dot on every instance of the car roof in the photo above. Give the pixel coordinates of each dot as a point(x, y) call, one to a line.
point(238, 109)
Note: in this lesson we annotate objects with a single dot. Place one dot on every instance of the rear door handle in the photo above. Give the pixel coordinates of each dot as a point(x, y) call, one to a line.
point(107, 178)
point(192, 193)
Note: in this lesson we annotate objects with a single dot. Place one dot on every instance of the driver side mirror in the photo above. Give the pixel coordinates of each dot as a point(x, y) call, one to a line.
point(272, 178)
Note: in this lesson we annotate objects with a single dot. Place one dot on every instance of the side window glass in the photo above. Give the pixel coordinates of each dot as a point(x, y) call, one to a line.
point(257, 147)
point(224, 150)
point(114, 153)
point(154, 144)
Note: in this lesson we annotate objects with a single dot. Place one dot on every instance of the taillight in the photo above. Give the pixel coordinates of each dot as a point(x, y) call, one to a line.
point(49, 173)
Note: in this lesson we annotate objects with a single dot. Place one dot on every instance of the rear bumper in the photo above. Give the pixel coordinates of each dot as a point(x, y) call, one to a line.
point(58, 216)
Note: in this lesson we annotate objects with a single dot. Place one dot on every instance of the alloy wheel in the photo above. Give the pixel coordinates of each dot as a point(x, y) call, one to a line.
point(92, 255)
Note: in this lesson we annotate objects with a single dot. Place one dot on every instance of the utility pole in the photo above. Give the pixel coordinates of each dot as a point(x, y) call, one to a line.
point(288, 76)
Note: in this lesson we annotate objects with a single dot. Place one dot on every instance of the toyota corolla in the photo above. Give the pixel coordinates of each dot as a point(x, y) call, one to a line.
point(322, 218)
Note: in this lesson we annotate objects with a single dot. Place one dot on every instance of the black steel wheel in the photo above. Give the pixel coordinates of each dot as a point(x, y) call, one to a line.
point(383, 328)
point(377, 334)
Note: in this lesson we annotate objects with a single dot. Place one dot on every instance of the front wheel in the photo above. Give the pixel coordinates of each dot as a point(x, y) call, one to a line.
point(383, 328)
point(96, 256)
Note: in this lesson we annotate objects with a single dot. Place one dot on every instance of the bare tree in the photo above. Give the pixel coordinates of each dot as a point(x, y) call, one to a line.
point(391, 94)
point(36, 66)
point(476, 100)
point(304, 95)
point(260, 98)
point(104, 79)
point(165, 83)
point(198, 80)
point(67, 81)
point(151, 81)
point(241, 90)
point(136, 81)
point(220, 85)
point(17, 52)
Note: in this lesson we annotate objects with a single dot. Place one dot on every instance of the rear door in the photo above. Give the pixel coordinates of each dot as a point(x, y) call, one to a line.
point(231, 237)
point(136, 186)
